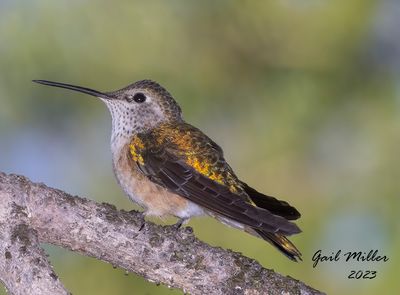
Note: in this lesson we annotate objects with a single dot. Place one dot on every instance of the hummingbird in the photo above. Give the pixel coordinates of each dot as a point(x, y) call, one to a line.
point(171, 168)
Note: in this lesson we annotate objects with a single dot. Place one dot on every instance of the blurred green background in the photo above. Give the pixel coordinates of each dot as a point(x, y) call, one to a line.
point(303, 96)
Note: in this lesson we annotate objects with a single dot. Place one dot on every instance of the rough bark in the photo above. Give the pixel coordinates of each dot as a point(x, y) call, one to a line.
point(31, 213)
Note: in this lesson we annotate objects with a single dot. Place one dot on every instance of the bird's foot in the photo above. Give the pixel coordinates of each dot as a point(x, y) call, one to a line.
point(143, 221)
point(180, 222)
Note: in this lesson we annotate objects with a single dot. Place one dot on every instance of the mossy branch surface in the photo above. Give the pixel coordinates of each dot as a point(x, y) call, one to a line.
point(32, 213)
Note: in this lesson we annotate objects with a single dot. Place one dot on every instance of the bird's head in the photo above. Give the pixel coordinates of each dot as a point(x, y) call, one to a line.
point(137, 108)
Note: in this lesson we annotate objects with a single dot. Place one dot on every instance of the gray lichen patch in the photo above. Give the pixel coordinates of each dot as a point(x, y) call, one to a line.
point(156, 241)
point(199, 263)
point(21, 232)
point(7, 255)
point(69, 199)
point(17, 210)
point(177, 256)
point(109, 212)
point(248, 275)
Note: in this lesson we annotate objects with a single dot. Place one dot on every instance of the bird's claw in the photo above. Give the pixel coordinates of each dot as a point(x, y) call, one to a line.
point(179, 223)
point(142, 225)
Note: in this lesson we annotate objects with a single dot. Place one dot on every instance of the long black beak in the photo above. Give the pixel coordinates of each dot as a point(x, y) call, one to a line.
point(75, 88)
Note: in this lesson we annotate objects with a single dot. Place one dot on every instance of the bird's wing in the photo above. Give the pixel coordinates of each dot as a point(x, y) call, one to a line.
point(273, 205)
point(185, 161)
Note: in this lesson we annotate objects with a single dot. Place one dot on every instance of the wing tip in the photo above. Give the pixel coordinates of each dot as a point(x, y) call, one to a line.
point(272, 204)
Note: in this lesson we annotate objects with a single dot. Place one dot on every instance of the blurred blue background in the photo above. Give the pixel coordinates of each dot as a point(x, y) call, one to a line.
point(303, 96)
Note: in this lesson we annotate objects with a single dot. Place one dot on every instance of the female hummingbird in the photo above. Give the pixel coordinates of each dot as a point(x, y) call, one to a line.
point(169, 167)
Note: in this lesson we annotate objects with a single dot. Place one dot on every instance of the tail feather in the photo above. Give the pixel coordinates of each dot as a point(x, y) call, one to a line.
point(281, 243)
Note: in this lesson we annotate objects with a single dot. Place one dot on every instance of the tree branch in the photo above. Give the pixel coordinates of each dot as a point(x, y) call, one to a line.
point(31, 213)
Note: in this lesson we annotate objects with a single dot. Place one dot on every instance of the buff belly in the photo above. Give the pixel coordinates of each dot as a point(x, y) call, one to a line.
point(155, 199)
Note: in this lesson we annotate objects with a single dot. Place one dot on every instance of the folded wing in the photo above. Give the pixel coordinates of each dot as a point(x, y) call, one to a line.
point(180, 172)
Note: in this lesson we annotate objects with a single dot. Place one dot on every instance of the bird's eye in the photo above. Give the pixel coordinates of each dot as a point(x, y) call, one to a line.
point(139, 97)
